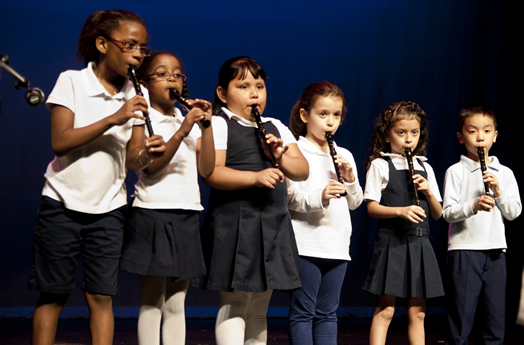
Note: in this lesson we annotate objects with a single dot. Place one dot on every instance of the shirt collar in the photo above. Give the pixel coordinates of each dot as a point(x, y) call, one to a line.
point(94, 88)
point(158, 117)
point(232, 116)
point(399, 156)
point(311, 147)
point(472, 165)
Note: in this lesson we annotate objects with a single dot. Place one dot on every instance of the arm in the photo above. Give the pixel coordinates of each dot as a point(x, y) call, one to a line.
point(225, 178)
point(65, 138)
point(290, 159)
point(193, 116)
point(435, 209)
point(349, 173)
point(301, 200)
point(139, 150)
point(454, 208)
point(508, 202)
point(206, 151)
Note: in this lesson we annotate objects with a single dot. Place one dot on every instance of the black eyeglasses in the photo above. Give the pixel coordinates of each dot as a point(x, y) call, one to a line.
point(167, 76)
point(130, 46)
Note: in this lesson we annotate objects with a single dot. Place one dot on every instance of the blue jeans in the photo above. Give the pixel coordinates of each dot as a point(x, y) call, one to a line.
point(312, 309)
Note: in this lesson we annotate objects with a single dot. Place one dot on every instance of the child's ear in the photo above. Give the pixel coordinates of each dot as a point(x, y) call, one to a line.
point(303, 115)
point(101, 44)
point(221, 93)
point(495, 137)
point(460, 137)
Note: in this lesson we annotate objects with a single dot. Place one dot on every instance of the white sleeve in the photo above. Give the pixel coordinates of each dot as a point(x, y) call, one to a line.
point(375, 179)
point(285, 133)
point(509, 202)
point(354, 190)
point(432, 181)
point(63, 93)
point(302, 200)
point(455, 209)
point(219, 132)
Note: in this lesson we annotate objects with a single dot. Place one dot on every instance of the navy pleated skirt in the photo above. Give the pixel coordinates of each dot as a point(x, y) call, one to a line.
point(163, 243)
point(403, 266)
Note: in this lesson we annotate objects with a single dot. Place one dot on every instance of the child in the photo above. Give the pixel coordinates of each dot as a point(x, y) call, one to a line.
point(477, 244)
point(95, 134)
point(403, 263)
point(320, 215)
point(248, 240)
point(162, 242)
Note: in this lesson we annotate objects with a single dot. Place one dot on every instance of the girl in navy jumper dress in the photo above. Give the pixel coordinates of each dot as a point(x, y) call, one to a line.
point(403, 263)
point(248, 240)
point(162, 240)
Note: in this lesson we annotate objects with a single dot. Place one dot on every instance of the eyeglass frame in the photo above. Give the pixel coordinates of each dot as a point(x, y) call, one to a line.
point(145, 51)
point(169, 75)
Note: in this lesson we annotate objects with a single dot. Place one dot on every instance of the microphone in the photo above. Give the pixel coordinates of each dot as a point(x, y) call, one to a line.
point(34, 96)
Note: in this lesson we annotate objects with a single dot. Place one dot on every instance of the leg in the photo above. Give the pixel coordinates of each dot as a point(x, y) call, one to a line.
point(153, 291)
point(325, 322)
point(492, 301)
point(231, 324)
point(101, 320)
point(381, 319)
point(302, 304)
point(45, 318)
point(256, 320)
point(416, 314)
point(174, 317)
point(462, 293)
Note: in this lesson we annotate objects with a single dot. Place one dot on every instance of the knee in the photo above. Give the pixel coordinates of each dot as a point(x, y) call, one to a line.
point(416, 316)
point(385, 313)
point(98, 300)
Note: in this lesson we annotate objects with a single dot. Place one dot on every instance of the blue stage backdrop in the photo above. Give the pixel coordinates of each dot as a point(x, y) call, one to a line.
point(441, 54)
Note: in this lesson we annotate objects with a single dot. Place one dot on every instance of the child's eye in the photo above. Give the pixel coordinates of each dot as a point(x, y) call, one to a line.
point(130, 44)
point(338, 115)
point(400, 132)
point(322, 114)
point(161, 74)
point(260, 87)
point(415, 132)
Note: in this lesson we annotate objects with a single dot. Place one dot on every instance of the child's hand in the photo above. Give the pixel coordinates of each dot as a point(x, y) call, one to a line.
point(202, 109)
point(277, 145)
point(413, 213)
point(422, 184)
point(484, 203)
point(493, 183)
point(127, 111)
point(333, 190)
point(346, 170)
point(155, 146)
point(269, 178)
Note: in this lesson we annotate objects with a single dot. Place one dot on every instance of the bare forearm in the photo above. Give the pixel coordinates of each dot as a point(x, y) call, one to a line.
point(206, 156)
point(225, 178)
point(72, 139)
point(296, 168)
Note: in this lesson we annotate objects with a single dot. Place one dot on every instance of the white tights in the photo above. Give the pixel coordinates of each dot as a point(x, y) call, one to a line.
point(162, 301)
point(242, 318)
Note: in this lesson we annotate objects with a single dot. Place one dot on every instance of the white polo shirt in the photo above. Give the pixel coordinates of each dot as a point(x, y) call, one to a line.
point(90, 179)
point(176, 186)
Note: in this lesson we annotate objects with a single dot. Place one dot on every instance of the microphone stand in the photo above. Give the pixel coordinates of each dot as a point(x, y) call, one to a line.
point(34, 96)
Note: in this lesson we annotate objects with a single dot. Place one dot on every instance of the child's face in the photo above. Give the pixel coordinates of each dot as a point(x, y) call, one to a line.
point(158, 85)
point(324, 116)
point(242, 94)
point(117, 59)
point(404, 133)
point(478, 131)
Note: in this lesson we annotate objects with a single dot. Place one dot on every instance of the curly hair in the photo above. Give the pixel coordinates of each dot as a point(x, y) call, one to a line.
point(386, 120)
point(230, 70)
point(307, 100)
point(145, 69)
point(101, 23)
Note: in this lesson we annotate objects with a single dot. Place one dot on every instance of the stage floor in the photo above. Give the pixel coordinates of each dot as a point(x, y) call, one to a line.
point(201, 332)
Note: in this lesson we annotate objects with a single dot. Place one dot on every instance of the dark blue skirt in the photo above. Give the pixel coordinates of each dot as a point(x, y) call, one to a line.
point(403, 265)
point(163, 243)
